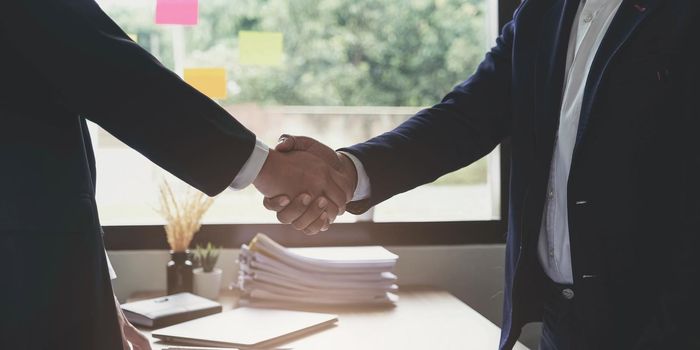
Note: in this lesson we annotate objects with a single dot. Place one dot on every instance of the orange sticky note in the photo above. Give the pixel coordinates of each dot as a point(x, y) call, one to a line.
point(177, 12)
point(260, 48)
point(209, 81)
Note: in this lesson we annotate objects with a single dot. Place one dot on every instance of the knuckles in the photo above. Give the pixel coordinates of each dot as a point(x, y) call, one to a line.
point(283, 218)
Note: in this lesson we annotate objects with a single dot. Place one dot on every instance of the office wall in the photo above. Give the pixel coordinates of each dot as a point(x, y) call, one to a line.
point(473, 273)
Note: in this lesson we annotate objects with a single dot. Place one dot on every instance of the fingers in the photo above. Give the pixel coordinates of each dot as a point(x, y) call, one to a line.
point(276, 204)
point(317, 226)
point(332, 212)
point(125, 342)
point(137, 339)
point(121, 320)
point(323, 222)
point(337, 195)
point(317, 210)
point(313, 218)
point(295, 209)
point(304, 143)
point(291, 212)
point(125, 338)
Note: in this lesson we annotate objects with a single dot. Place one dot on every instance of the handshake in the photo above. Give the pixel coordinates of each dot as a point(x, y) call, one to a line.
point(307, 183)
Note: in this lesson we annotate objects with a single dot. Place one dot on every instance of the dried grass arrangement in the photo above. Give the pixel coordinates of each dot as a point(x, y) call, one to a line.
point(183, 216)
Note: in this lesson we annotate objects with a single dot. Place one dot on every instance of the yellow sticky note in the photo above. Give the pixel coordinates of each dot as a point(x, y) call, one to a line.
point(134, 37)
point(260, 48)
point(209, 81)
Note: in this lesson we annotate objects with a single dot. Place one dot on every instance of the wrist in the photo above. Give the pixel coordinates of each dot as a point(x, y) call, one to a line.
point(266, 172)
point(348, 169)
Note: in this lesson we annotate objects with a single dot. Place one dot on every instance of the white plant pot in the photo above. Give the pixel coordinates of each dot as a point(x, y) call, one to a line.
point(207, 284)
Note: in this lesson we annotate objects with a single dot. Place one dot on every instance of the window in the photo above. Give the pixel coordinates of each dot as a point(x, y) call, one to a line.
point(350, 69)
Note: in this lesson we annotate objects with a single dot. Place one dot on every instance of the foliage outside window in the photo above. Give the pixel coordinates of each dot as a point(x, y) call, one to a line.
point(351, 69)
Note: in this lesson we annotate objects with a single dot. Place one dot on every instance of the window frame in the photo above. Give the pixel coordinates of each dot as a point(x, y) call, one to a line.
point(149, 237)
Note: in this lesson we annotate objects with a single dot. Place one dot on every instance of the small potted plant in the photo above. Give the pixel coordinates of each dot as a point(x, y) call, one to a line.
point(207, 277)
point(183, 216)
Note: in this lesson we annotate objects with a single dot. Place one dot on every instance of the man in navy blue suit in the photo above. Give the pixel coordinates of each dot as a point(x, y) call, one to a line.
point(600, 101)
point(65, 62)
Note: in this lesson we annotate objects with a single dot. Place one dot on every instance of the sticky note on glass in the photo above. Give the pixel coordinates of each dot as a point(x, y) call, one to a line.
point(209, 81)
point(177, 12)
point(260, 48)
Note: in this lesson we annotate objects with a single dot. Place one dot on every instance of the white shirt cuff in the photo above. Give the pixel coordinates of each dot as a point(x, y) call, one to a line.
point(112, 274)
point(252, 166)
point(363, 190)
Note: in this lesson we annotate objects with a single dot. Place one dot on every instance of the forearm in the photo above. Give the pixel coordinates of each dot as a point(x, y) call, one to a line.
point(98, 73)
point(468, 123)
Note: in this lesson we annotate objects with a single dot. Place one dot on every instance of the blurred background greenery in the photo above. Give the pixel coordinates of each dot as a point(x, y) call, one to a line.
point(351, 69)
point(336, 52)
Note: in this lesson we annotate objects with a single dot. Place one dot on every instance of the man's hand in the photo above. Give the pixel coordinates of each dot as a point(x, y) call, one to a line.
point(299, 211)
point(309, 179)
point(131, 337)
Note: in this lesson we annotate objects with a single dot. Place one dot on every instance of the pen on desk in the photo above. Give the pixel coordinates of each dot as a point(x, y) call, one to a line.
point(191, 348)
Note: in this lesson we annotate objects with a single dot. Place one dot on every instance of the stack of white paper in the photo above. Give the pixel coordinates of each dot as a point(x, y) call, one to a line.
point(270, 272)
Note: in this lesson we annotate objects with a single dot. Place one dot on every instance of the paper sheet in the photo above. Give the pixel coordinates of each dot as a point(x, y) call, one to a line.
point(209, 81)
point(177, 12)
point(260, 48)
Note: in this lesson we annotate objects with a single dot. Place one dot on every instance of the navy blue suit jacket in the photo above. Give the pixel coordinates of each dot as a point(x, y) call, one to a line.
point(633, 193)
point(62, 62)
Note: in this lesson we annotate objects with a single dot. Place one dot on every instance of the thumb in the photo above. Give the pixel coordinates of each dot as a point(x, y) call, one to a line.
point(285, 143)
point(289, 143)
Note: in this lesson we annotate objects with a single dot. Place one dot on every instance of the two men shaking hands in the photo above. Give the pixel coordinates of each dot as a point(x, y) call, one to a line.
point(307, 183)
point(601, 241)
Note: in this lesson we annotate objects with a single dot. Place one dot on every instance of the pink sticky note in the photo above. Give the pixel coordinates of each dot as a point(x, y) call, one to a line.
point(177, 12)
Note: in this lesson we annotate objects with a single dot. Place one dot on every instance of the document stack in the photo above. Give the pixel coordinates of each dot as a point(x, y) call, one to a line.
point(272, 274)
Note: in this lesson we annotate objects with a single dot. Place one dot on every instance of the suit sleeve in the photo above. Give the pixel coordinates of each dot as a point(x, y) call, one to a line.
point(99, 73)
point(469, 122)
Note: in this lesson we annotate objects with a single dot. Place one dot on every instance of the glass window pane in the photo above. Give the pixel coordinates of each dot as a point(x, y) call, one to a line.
point(348, 70)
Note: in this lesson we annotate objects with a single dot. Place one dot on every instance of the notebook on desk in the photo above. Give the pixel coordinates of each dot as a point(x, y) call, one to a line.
point(165, 311)
point(246, 328)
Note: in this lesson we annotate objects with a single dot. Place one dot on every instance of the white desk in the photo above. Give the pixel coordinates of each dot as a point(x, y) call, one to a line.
point(424, 318)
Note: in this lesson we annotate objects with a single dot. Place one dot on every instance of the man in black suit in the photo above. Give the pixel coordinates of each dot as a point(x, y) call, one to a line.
point(65, 61)
point(600, 101)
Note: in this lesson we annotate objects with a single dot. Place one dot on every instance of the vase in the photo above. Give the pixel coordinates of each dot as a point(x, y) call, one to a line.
point(207, 284)
point(179, 272)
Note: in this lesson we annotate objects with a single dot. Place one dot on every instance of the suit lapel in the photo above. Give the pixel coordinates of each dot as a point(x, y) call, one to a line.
point(627, 19)
point(551, 64)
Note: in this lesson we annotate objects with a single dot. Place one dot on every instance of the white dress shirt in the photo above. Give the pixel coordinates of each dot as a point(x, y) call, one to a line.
point(251, 168)
point(592, 21)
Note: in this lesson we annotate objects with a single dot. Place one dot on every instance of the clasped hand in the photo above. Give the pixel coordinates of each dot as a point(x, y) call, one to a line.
point(319, 180)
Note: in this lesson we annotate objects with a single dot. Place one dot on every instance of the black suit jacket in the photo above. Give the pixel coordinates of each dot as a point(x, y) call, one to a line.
point(64, 61)
point(633, 191)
